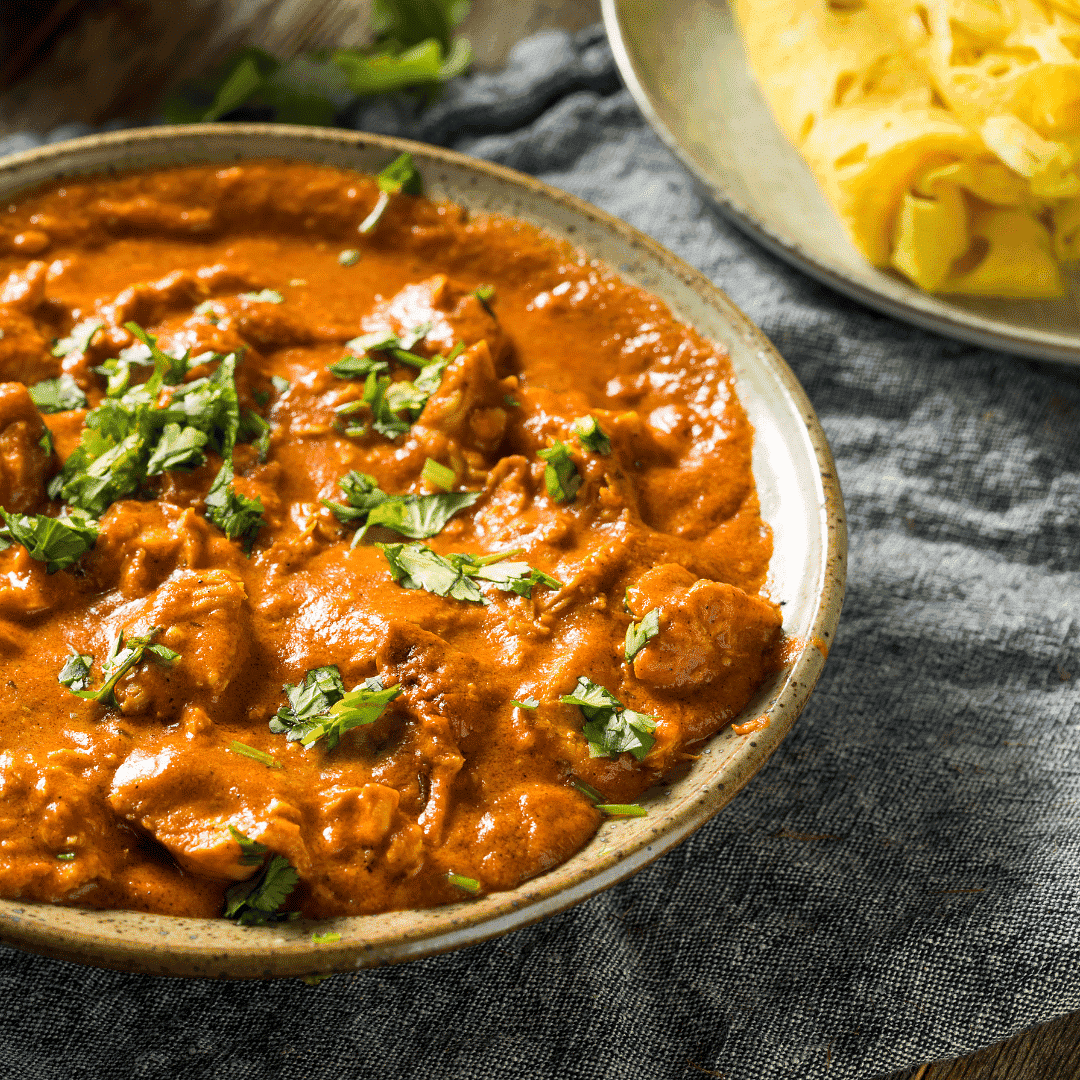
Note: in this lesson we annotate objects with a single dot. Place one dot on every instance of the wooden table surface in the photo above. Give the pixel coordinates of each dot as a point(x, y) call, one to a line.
point(101, 59)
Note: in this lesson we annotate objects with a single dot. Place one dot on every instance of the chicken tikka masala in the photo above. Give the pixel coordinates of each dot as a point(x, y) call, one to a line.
point(359, 552)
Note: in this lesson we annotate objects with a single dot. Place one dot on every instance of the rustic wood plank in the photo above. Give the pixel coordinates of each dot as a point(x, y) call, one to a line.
point(1048, 1052)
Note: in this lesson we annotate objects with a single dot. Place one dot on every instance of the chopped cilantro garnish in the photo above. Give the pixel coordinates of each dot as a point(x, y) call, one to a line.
point(256, 430)
point(258, 901)
point(46, 442)
point(238, 516)
point(281, 385)
point(622, 809)
point(128, 438)
point(466, 884)
point(328, 938)
point(58, 542)
point(264, 296)
point(349, 257)
point(57, 395)
point(415, 516)
point(399, 176)
point(525, 703)
point(484, 293)
point(351, 366)
point(75, 674)
point(123, 656)
point(79, 339)
point(561, 477)
point(588, 791)
point(320, 707)
point(178, 446)
point(438, 475)
point(66, 855)
point(587, 429)
point(640, 633)
point(414, 566)
point(260, 756)
point(511, 402)
point(610, 727)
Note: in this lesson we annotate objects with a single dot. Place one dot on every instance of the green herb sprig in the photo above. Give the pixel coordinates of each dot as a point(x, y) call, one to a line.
point(321, 708)
point(639, 634)
point(610, 727)
point(59, 542)
point(259, 900)
point(415, 516)
point(124, 654)
point(414, 566)
point(561, 476)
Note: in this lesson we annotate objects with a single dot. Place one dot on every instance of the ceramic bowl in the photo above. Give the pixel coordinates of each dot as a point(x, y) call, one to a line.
point(800, 499)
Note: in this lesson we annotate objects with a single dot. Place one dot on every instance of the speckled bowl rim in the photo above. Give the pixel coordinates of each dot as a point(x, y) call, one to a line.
point(169, 945)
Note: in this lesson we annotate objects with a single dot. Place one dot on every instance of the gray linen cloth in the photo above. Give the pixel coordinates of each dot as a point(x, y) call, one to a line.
point(899, 884)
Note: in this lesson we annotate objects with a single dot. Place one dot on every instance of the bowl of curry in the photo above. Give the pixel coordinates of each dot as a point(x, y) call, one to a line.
point(395, 550)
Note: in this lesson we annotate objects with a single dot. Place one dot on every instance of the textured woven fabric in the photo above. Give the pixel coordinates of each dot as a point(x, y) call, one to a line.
point(899, 883)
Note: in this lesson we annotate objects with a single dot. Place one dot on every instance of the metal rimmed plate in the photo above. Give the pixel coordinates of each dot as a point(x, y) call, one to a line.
point(683, 61)
point(800, 498)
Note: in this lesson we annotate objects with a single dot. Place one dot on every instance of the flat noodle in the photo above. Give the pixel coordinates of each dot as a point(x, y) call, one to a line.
point(918, 189)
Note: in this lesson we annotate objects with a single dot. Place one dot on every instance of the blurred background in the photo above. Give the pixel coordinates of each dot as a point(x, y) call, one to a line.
point(99, 60)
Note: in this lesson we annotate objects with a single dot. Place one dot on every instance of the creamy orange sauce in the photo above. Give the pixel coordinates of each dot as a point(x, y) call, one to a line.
point(129, 805)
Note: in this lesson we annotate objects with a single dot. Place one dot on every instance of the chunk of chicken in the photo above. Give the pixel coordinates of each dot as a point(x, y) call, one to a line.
point(709, 630)
point(448, 309)
point(179, 798)
point(204, 616)
point(24, 463)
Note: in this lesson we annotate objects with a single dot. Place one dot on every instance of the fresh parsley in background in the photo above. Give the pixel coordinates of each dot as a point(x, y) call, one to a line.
point(413, 49)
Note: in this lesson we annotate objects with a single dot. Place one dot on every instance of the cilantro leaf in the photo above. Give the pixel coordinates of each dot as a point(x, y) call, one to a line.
point(414, 566)
point(167, 368)
point(415, 516)
point(517, 577)
point(256, 430)
point(320, 707)
point(610, 727)
point(587, 429)
point(420, 516)
point(79, 339)
point(640, 633)
point(281, 385)
point(399, 176)
point(525, 703)
point(75, 674)
point(58, 542)
point(57, 395)
point(178, 446)
point(561, 477)
point(258, 901)
point(238, 516)
point(123, 656)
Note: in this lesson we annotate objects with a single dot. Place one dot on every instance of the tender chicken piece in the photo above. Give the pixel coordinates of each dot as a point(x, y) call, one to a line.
point(24, 290)
point(24, 463)
point(530, 828)
point(358, 818)
point(469, 407)
point(179, 798)
point(24, 349)
point(204, 616)
point(148, 303)
point(453, 313)
point(447, 692)
point(709, 631)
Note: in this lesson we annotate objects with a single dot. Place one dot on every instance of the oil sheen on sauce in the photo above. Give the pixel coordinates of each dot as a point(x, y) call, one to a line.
point(129, 804)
